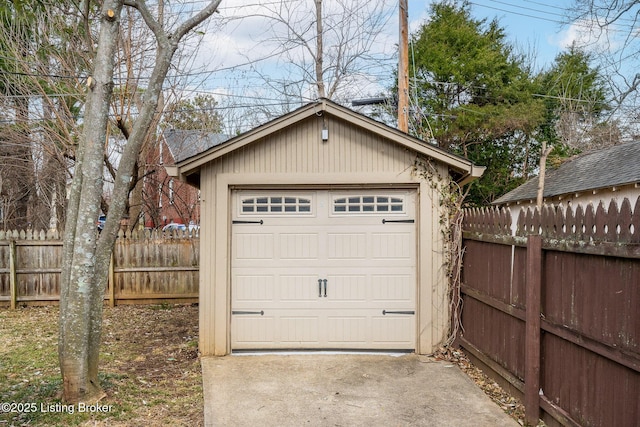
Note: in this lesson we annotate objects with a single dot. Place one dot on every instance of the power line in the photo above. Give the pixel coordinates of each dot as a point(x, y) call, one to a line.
point(563, 21)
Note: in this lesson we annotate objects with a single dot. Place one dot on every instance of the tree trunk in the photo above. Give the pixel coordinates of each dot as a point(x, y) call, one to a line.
point(87, 254)
point(82, 288)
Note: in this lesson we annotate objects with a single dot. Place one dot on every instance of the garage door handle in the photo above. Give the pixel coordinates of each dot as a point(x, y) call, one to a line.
point(385, 312)
point(319, 288)
point(247, 222)
point(325, 287)
point(407, 221)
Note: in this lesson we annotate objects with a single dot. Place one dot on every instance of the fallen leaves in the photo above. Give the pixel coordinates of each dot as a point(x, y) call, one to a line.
point(502, 398)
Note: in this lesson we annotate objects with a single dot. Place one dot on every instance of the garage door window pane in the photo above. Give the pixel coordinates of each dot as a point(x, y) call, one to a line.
point(368, 204)
point(276, 205)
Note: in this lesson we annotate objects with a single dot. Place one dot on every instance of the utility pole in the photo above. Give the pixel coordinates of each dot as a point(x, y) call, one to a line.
point(403, 69)
point(319, 51)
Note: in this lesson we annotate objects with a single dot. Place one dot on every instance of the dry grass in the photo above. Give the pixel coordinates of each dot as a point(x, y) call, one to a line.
point(149, 367)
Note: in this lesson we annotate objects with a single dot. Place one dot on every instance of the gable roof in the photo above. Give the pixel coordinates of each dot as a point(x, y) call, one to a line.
point(464, 167)
point(187, 143)
point(609, 167)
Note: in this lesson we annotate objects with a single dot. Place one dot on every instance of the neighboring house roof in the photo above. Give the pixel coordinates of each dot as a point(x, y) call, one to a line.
point(466, 170)
point(609, 167)
point(187, 143)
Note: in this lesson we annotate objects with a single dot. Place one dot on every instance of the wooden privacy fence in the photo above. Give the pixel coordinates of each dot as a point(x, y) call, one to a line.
point(146, 267)
point(554, 309)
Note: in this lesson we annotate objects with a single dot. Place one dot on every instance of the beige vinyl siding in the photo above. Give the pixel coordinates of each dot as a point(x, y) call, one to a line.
point(294, 157)
point(299, 149)
point(434, 260)
point(207, 255)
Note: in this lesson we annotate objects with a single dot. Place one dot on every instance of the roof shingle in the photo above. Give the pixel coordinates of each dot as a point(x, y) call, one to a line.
point(187, 143)
point(613, 166)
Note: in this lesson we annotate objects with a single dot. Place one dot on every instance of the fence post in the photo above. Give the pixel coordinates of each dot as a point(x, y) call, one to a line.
point(532, 330)
point(13, 277)
point(112, 283)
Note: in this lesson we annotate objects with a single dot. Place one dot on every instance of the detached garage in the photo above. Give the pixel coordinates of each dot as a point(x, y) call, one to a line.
point(318, 234)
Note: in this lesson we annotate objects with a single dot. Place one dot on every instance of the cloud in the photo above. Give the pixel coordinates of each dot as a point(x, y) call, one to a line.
point(587, 34)
point(243, 39)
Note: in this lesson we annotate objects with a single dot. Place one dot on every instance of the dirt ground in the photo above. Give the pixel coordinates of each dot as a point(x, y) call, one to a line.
point(150, 367)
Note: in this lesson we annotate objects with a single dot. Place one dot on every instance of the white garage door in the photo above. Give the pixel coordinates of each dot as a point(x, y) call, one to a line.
point(323, 270)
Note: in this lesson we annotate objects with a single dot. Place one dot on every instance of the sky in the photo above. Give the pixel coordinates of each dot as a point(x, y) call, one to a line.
point(537, 25)
point(239, 54)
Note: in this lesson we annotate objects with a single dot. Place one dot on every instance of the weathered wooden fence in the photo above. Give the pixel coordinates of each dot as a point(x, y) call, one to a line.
point(554, 310)
point(146, 267)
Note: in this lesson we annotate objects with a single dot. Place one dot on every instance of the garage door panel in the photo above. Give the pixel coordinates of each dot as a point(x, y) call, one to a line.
point(347, 330)
point(346, 246)
point(392, 287)
point(393, 245)
point(393, 330)
point(368, 267)
point(298, 288)
point(252, 288)
point(299, 330)
point(349, 288)
point(254, 246)
point(294, 246)
point(252, 330)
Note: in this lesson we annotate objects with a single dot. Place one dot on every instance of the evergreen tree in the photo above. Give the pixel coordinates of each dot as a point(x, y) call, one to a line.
point(473, 95)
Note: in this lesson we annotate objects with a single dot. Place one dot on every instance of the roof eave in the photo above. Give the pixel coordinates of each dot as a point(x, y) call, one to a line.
point(461, 165)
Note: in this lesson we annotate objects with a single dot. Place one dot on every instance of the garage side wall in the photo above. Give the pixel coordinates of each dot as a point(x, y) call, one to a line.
point(298, 157)
point(433, 302)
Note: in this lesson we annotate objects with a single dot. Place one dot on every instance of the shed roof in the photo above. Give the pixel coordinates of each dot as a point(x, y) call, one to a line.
point(464, 168)
point(604, 168)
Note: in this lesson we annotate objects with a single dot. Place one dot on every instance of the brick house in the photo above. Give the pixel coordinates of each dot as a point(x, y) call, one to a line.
point(167, 200)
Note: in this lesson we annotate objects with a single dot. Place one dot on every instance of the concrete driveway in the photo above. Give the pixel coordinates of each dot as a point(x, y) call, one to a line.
point(343, 390)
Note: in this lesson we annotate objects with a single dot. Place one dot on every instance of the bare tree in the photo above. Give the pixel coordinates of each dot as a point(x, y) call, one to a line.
point(610, 30)
point(41, 69)
point(86, 254)
point(324, 48)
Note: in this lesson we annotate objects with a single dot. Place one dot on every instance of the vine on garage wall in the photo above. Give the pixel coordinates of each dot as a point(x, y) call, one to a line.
point(451, 198)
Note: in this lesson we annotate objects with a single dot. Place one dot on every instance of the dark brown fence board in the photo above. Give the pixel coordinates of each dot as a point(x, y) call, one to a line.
point(499, 335)
point(594, 390)
point(588, 324)
point(593, 295)
point(519, 280)
point(493, 273)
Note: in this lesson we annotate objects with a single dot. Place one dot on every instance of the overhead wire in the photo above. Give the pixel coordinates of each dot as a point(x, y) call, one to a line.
point(209, 73)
